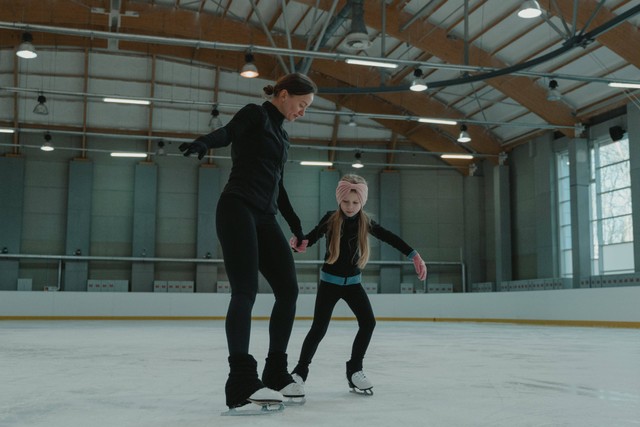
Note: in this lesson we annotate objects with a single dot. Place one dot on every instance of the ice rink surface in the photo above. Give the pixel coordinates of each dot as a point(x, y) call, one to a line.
point(172, 374)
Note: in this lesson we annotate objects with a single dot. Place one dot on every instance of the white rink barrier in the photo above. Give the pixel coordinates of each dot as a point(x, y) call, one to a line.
point(595, 306)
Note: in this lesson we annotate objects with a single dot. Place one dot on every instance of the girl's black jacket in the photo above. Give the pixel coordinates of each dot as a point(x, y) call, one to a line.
point(345, 265)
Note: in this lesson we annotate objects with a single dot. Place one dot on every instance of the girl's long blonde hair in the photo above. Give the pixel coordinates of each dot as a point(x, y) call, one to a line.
point(334, 229)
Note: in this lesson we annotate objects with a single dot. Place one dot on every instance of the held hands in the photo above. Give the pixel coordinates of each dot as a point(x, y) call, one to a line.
point(196, 147)
point(298, 247)
point(421, 268)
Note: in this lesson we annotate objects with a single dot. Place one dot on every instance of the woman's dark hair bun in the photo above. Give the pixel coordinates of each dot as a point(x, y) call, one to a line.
point(268, 90)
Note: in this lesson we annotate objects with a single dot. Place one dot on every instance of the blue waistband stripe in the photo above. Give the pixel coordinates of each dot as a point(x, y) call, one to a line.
point(339, 280)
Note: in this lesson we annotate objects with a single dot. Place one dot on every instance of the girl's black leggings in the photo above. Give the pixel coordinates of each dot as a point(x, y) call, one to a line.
point(253, 241)
point(327, 298)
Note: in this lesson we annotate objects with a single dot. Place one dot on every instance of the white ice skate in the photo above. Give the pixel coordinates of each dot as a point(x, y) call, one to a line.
point(268, 402)
point(294, 393)
point(360, 384)
point(298, 379)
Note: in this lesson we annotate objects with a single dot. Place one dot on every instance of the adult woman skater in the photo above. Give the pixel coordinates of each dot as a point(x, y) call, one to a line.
point(251, 238)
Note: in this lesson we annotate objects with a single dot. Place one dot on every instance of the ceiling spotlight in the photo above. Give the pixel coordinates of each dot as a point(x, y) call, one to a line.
point(352, 123)
point(47, 145)
point(553, 94)
point(418, 84)
point(464, 135)
point(26, 49)
point(616, 133)
point(214, 121)
point(41, 107)
point(529, 9)
point(357, 163)
point(249, 69)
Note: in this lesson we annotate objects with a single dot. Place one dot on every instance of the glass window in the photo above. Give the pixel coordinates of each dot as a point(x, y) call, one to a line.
point(612, 247)
point(564, 215)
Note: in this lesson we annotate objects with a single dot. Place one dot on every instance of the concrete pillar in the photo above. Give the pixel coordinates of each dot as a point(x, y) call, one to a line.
point(474, 231)
point(328, 182)
point(207, 236)
point(633, 131)
point(579, 191)
point(390, 276)
point(546, 208)
point(145, 195)
point(78, 238)
point(11, 209)
point(502, 223)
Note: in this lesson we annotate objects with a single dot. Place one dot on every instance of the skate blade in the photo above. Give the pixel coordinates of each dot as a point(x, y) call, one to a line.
point(265, 408)
point(294, 400)
point(365, 392)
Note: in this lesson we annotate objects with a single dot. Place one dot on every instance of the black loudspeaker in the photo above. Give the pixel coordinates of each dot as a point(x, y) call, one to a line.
point(616, 133)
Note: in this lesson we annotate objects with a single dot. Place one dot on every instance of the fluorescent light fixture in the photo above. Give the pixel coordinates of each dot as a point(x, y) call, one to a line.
point(625, 85)
point(456, 156)
point(127, 101)
point(5, 130)
point(437, 121)
point(312, 163)
point(371, 63)
point(128, 154)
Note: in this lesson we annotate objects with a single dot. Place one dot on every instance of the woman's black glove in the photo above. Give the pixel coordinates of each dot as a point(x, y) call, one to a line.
point(195, 147)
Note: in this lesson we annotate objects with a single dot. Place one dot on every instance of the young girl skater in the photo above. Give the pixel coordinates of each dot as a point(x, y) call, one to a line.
point(346, 231)
point(251, 237)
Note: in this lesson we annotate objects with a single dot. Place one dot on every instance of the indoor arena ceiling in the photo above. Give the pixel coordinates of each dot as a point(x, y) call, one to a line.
point(485, 67)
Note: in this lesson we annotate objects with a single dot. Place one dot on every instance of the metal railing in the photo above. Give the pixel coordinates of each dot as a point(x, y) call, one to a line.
point(61, 259)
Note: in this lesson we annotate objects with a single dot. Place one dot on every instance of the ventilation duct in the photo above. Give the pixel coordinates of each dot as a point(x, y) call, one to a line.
point(358, 38)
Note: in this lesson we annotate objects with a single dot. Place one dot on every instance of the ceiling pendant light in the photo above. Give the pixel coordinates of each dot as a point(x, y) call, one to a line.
point(47, 145)
point(41, 106)
point(214, 121)
point(418, 84)
point(249, 69)
point(553, 94)
point(357, 163)
point(464, 136)
point(529, 9)
point(26, 49)
point(352, 123)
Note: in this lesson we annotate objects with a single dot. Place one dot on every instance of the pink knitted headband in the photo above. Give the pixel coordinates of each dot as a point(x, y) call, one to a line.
point(345, 187)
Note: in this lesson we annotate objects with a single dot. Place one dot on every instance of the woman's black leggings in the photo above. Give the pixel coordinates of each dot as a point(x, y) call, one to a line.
point(327, 298)
point(252, 241)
